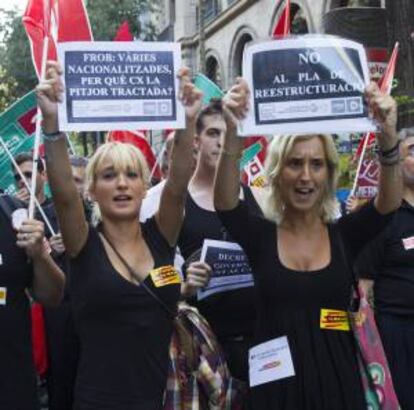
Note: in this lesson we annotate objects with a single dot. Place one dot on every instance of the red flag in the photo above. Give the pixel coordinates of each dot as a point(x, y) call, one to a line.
point(124, 33)
point(37, 23)
point(282, 27)
point(138, 139)
point(385, 85)
point(73, 21)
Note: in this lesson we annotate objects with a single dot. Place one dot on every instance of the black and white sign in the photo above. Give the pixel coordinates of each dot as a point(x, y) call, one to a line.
point(306, 84)
point(230, 267)
point(120, 86)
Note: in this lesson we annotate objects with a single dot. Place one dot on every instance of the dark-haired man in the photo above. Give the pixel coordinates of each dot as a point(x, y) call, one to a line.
point(24, 161)
point(231, 312)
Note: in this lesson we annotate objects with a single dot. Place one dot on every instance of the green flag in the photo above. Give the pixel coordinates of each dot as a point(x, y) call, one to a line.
point(249, 153)
point(210, 90)
point(17, 128)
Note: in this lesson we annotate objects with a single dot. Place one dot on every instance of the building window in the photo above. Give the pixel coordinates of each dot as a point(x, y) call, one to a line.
point(238, 54)
point(213, 70)
point(211, 8)
point(299, 24)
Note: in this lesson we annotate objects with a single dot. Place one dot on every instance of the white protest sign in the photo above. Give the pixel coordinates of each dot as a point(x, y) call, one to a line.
point(230, 267)
point(270, 361)
point(306, 84)
point(120, 86)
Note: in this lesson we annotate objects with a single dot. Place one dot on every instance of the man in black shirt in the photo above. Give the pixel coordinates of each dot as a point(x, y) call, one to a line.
point(230, 310)
point(387, 265)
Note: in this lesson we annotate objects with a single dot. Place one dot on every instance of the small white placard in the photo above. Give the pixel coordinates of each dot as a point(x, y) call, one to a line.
point(270, 361)
point(120, 86)
point(230, 267)
point(311, 83)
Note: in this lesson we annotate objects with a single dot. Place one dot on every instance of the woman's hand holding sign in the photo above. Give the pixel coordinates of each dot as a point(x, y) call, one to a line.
point(190, 96)
point(49, 93)
point(383, 109)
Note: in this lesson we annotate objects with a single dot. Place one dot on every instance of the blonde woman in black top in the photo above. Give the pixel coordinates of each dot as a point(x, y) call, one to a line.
point(124, 332)
point(295, 252)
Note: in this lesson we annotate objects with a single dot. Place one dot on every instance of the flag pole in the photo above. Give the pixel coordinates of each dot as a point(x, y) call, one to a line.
point(385, 86)
point(37, 133)
point(13, 161)
point(360, 161)
point(158, 160)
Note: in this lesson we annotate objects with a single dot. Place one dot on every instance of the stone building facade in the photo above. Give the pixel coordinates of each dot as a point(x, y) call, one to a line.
point(227, 25)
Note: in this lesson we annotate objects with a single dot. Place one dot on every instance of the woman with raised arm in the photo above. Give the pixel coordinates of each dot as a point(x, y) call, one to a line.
point(122, 282)
point(296, 253)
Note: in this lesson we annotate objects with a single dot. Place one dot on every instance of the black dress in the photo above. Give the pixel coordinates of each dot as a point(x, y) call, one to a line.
point(17, 374)
point(289, 304)
point(124, 333)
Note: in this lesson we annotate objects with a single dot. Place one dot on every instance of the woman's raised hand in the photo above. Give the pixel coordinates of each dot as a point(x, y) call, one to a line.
point(236, 102)
point(49, 93)
point(383, 109)
point(189, 94)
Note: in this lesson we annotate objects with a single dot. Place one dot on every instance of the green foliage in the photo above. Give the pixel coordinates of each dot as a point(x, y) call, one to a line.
point(106, 17)
point(345, 171)
point(17, 75)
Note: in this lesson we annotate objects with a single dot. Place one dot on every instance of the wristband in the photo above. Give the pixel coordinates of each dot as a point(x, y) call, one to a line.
point(390, 151)
point(53, 136)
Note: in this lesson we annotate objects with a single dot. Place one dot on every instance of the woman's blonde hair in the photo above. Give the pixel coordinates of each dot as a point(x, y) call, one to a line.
point(124, 157)
point(278, 152)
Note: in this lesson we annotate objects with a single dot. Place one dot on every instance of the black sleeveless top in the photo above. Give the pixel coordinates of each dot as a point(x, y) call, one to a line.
point(230, 313)
point(124, 332)
point(289, 304)
point(17, 377)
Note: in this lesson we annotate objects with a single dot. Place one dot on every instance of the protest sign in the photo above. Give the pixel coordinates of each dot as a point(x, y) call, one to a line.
point(230, 267)
point(17, 128)
point(120, 86)
point(368, 179)
point(310, 84)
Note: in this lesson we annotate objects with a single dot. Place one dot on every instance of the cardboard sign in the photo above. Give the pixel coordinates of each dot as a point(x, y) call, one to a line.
point(310, 84)
point(120, 86)
point(368, 179)
point(230, 267)
point(270, 361)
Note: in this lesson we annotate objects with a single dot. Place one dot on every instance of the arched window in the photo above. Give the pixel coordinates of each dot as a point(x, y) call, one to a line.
point(299, 24)
point(238, 54)
point(213, 70)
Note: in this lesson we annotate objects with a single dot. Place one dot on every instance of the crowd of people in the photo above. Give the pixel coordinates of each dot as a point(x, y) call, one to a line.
point(124, 254)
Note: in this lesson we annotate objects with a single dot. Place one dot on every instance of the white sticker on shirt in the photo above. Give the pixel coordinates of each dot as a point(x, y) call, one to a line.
point(1, 259)
point(270, 361)
point(3, 296)
point(408, 243)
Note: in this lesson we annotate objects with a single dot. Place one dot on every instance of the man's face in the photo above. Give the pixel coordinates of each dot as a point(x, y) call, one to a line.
point(210, 139)
point(78, 174)
point(26, 169)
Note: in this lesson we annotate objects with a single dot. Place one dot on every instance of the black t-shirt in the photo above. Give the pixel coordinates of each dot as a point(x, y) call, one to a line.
point(389, 260)
point(17, 375)
point(229, 313)
point(124, 332)
point(289, 304)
